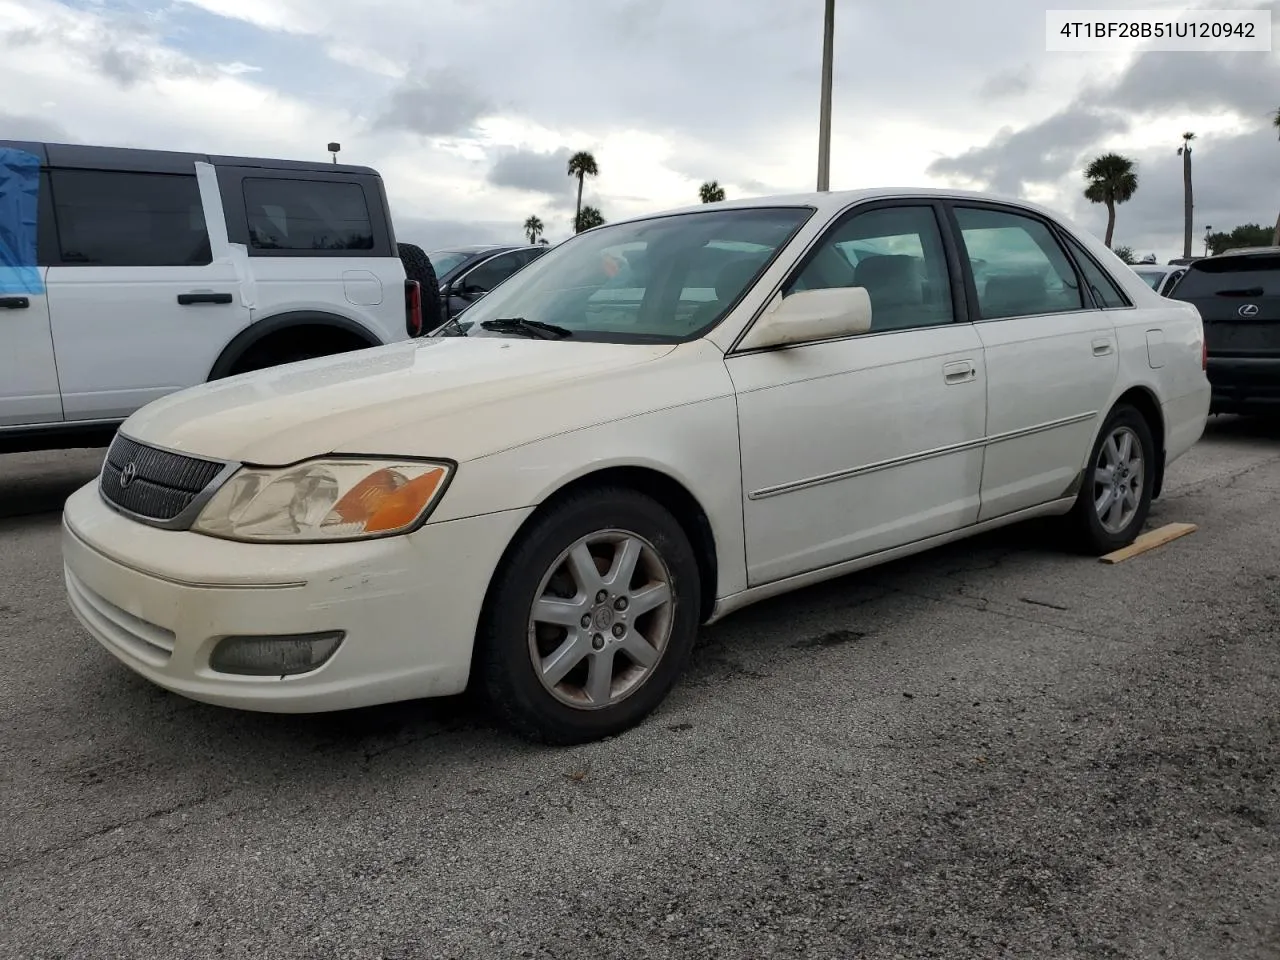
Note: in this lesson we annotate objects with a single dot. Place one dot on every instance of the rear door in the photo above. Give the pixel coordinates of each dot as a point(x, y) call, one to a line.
point(1050, 354)
point(28, 374)
point(317, 243)
point(139, 304)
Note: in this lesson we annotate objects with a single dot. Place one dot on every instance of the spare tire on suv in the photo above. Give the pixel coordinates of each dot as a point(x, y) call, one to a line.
point(417, 266)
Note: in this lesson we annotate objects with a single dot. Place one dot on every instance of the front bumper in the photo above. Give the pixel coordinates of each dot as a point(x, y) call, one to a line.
point(1242, 383)
point(160, 601)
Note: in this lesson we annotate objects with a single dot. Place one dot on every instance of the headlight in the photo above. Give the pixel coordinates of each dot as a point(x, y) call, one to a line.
point(338, 499)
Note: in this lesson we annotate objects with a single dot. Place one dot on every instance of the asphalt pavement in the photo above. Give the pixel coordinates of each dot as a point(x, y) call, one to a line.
point(995, 749)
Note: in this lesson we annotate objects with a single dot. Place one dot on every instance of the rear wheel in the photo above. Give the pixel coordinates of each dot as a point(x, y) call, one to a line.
point(590, 619)
point(1115, 498)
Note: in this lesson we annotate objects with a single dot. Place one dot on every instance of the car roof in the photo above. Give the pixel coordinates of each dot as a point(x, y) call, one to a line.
point(1249, 252)
point(480, 248)
point(139, 160)
point(833, 201)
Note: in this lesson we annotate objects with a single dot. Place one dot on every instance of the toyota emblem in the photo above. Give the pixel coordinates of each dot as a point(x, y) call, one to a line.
point(128, 475)
point(1248, 310)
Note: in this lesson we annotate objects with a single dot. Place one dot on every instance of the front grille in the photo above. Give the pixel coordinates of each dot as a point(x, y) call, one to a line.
point(161, 484)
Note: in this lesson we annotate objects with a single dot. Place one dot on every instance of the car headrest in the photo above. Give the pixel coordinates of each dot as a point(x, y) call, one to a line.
point(1014, 294)
point(890, 279)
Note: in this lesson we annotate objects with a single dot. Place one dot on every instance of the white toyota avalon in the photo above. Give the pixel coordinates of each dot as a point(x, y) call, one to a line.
point(655, 424)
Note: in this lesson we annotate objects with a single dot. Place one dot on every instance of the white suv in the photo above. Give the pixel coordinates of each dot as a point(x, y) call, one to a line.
point(128, 274)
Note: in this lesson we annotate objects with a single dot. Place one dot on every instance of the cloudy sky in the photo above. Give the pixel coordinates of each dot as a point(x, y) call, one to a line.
point(470, 108)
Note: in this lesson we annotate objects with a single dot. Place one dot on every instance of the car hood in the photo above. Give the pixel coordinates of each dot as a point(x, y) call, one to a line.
point(454, 397)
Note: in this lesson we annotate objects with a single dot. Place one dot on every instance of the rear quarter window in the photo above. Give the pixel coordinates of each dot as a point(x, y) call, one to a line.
point(307, 216)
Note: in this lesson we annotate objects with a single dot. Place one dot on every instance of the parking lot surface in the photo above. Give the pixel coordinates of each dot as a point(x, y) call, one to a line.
point(995, 749)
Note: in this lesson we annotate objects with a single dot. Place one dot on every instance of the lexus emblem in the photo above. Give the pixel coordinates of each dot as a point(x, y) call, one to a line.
point(128, 475)
point(1248, 310)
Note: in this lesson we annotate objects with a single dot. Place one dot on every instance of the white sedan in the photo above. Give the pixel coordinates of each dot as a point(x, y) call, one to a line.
point(654, 425)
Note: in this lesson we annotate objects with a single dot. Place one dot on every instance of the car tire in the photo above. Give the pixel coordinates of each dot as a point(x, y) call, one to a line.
point(571, 649)
point(417, 266)
point(1115, 496)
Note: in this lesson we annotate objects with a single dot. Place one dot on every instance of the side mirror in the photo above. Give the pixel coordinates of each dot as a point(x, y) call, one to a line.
point(812, 315)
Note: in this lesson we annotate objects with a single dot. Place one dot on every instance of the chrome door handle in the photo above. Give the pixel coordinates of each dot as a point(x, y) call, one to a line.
point(1101, 347)
point(959, 371)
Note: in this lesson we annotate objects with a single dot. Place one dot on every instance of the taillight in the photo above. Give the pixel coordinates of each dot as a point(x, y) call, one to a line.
point(413, 307)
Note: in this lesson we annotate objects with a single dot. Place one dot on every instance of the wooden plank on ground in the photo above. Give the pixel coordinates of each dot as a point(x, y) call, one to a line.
point(1150, 540)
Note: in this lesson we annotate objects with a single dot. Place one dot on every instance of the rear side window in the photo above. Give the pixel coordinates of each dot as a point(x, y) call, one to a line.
point(1105, 292)
point(1018, 266)
point(115, 219)
point(307, 215)
point(1231, 277)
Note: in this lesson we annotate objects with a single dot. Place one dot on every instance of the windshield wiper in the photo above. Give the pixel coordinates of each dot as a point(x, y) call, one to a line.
point(530, 328)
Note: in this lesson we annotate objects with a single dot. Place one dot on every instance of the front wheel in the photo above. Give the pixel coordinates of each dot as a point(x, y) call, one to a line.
point(1116, 495)
point(590, 619)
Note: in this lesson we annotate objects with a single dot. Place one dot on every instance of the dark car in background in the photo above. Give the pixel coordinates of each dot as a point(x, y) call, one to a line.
point(467, 273)
point(1238, 296)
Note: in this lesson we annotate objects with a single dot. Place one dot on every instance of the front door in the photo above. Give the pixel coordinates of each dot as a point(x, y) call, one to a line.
point(858, 445)
point(139, 304)
point(1051, 358)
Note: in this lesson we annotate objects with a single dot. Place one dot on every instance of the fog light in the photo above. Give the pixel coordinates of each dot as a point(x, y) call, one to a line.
point(275, 656)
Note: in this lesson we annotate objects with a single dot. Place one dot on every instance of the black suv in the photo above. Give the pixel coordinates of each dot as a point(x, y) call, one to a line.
point(1238, 296)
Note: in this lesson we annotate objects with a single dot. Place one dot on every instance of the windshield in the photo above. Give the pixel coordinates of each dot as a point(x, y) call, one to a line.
point(660, 280)
point(442, 261)
point(1231, 276)
point(1152, 277)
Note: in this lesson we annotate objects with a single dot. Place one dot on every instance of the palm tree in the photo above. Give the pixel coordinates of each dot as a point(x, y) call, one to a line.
point(1275, 234)
point(533, 229)
point(1185, 152)
point(582, 165)
point(1112, 180)
point(586, 218)
point(711, 192)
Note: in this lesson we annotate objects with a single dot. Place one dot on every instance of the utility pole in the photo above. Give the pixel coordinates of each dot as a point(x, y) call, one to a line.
point(824, 114)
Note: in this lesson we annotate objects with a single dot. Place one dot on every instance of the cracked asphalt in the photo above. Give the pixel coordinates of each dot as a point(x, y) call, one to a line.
point(992, 750)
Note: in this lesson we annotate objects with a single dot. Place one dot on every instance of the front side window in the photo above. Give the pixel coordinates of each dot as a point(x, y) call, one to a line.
point(307, 215)
point(896, 253)
point(1018, 266)
point(118, 219)
point(664, 279)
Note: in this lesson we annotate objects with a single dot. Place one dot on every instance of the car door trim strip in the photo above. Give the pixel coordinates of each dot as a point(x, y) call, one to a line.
point(792, 486)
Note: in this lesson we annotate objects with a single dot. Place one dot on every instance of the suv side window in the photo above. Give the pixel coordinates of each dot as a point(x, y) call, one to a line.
point(493, 271)
point(1018, 266)
point(896, 253)
point(1105, 291)
point(307, 215)
point(119, 219)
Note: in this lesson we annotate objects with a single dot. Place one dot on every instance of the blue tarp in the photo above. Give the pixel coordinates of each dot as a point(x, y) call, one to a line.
point(19, 205)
